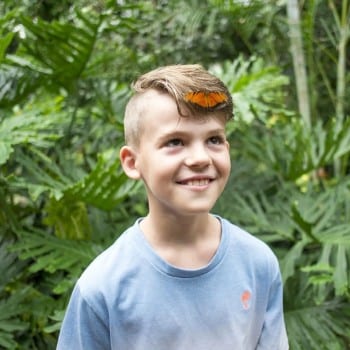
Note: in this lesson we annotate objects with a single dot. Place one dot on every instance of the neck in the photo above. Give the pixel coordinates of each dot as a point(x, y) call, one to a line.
point(187, 242)
point(172, 229)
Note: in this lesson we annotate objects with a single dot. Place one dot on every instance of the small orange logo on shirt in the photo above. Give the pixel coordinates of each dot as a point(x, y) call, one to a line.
point(245, 299)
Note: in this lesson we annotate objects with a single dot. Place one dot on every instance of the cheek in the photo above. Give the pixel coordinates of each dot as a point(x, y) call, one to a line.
point(229, 163)
point(156, 170)
point(224, 163)
point(225, 169)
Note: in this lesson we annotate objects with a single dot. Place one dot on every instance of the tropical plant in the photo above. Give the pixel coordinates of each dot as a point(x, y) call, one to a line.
point(60, 177)
point(296, 203)
point(64, 79)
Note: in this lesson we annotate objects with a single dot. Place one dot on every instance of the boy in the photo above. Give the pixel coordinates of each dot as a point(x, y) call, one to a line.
point(180, 278)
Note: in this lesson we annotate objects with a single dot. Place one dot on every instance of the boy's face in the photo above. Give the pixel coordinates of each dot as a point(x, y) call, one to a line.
point(183, 162)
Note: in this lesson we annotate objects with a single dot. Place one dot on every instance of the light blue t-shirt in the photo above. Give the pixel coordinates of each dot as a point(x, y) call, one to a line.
point(131, 299)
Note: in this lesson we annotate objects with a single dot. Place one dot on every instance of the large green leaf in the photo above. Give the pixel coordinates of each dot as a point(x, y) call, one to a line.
point(5, 151)
point(16, 83)
point(257, 88)
point(61, 50)
point(312, 325)
point(291, 150)
point(52, 254)
point(12, 301)
point(52, 54)
point(5, 41)
point(106, 186)
point(40, 174)
point(318, 327)
point(40, 125)
point(10, 266)
point(11, 309)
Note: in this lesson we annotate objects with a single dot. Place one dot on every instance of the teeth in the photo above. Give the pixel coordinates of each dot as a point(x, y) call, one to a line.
point(201, 182)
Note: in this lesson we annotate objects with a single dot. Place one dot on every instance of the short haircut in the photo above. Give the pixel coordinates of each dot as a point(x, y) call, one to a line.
point(175, 81)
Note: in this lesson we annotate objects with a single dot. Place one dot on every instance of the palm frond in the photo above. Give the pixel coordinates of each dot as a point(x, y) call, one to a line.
point(40, 174)
point(11, 309)
point(256, 88)
point(52, 254)
point(10, 266)
point(312, 325)
point(37, 125)
point(106, 186)
point(5, 41)
point(11, 301)
point(16, 83)
point(63, 50)
point(52, 55)
point(318, 327)
point(292, 151)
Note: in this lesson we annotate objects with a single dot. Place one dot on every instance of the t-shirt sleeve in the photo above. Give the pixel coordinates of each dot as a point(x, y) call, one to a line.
point(82, 328)
point(273, 335)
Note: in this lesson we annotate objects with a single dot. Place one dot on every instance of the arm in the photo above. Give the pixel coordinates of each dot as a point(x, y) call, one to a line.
point(273, 335)
point(82, 328)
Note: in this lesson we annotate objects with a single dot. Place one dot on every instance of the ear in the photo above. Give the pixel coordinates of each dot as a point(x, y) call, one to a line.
point(128, 161)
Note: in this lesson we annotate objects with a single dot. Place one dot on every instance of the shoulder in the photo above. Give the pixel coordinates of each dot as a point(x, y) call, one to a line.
point(109, 277)
point(244, 238)
point(249, 248)
point(110, 266)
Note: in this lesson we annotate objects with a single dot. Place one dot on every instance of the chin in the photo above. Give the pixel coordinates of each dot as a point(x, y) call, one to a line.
point(195, 211)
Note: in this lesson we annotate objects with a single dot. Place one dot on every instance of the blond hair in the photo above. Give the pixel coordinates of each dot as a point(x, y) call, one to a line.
point(175, 81)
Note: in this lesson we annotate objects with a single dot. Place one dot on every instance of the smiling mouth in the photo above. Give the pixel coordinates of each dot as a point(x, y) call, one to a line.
point(199, 182)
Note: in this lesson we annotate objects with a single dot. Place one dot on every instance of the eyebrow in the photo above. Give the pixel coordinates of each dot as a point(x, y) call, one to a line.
point(180, 133)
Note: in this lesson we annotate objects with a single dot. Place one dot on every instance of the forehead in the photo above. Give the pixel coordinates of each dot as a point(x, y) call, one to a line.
point(156, 103)
point(161, 116)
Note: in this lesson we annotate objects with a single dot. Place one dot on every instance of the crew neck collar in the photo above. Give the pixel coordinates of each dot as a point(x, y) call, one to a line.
point(164, 267)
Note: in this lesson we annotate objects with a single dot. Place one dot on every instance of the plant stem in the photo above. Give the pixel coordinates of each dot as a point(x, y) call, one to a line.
point(343, 24)
point(341, 68)
point(298, 61)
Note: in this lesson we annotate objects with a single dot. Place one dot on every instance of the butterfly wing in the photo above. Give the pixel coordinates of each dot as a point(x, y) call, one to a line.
point(198, 98)
point(206, 99)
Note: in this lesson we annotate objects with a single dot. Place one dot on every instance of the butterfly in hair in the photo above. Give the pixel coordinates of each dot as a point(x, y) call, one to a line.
point(205, 99)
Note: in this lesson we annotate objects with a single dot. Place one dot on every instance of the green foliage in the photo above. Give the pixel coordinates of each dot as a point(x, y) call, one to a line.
point(10, 321)
point(51, 254)
point(315, 325)
point(11, 301)
point(294, 202)
point(4, 43)
point(256, 88)
point(53, 53)
point(307, 224)
point(64, 76)
point(59, 50)
point(293, 151)
point(105, 187)
point(60, 181)
point(39, 126)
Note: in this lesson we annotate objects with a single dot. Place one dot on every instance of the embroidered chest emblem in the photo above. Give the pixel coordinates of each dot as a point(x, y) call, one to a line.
point(245, 299)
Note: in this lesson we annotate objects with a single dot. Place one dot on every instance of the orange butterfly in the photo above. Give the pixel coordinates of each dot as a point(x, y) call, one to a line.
point(206, 99)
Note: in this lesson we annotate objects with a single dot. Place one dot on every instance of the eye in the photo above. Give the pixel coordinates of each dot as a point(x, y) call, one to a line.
point(174, 143)
point(216, 140)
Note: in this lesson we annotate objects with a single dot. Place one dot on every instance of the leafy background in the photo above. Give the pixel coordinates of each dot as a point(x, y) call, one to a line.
point(65, 71)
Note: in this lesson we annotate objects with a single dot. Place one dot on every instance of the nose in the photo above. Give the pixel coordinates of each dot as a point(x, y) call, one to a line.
point(198, 157)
